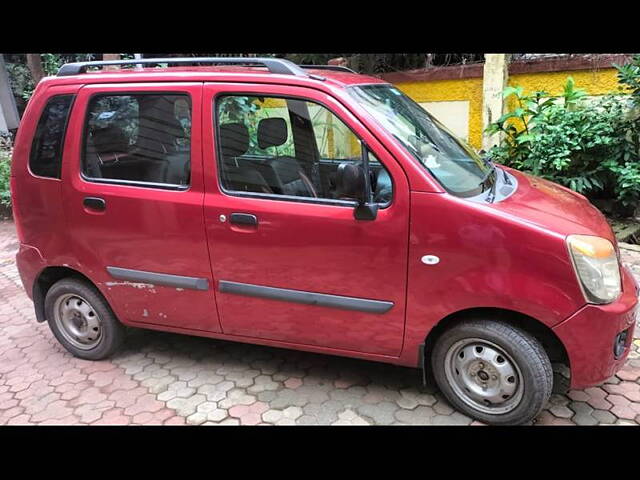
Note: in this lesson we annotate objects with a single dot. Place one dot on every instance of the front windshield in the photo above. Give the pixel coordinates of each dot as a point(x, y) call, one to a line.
point(455, 165)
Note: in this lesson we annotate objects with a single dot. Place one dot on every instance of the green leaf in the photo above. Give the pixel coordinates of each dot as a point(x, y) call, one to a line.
point(509, 91)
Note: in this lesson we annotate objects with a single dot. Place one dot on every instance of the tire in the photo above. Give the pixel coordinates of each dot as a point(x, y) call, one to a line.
point(492, 372)
point(73, 306)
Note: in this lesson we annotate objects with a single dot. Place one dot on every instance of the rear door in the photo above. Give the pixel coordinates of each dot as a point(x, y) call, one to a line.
point(133, 195)
point(291, 262)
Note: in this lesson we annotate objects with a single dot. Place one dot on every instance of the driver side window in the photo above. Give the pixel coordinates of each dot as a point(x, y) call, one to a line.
point(288, 147)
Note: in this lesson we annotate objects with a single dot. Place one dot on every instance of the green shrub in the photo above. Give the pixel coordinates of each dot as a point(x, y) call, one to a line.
point(591, 147)
point(5, 171)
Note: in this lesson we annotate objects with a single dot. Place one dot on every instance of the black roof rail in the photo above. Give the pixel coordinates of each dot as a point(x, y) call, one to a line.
point(337, 68)
point(274, 65)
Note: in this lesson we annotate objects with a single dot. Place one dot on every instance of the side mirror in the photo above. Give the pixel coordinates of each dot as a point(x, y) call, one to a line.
point(351, 184)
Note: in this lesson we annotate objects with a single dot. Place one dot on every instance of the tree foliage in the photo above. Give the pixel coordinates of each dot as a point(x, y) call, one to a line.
point(590, 146)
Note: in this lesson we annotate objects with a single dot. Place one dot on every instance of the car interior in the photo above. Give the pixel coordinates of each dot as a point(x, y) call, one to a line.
point(285, 175)
point(159, 153)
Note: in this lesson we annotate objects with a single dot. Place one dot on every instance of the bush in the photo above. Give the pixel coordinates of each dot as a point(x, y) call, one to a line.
point(5, 171)
point(591, 147)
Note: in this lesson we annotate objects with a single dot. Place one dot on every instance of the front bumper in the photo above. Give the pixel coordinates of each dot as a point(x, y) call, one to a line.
point(589, 336)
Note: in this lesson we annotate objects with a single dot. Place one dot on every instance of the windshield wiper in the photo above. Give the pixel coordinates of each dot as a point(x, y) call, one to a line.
point(493, 170)
point(505, 175)
point(492, 193)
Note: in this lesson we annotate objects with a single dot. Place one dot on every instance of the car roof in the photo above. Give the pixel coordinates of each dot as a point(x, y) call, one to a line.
point(335, 78)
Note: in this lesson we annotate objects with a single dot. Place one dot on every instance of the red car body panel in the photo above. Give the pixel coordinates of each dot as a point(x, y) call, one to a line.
point(509, 255)
point(142, 229)
point(311, 247)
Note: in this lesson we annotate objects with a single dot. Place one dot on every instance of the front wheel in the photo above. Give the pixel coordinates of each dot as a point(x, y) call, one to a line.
point(493, 372)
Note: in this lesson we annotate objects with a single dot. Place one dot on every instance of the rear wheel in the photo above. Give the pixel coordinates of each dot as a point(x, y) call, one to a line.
point(81, 320)
point(492, 371)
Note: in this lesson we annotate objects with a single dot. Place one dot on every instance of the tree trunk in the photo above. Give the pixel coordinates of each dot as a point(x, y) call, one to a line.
point(34, 63)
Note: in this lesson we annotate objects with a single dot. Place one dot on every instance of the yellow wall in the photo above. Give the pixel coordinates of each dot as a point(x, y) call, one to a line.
point(594, 82)
point(466, 89)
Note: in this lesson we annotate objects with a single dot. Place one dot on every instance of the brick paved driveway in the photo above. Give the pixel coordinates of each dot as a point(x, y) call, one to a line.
point(161, 378)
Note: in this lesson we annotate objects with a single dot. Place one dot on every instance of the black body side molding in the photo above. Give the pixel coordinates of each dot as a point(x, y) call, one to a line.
point(165, 279)
point(308, 298)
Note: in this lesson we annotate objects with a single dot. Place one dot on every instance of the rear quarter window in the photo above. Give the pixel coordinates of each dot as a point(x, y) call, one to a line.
point(46, 149)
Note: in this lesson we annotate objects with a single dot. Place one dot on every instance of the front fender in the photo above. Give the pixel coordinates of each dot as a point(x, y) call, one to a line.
point(486, 260)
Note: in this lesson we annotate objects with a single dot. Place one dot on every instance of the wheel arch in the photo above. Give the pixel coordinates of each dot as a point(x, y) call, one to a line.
point(45, 280)
point(552, 345)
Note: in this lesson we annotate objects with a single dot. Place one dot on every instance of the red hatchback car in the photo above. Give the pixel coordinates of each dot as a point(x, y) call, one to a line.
point(312, 208)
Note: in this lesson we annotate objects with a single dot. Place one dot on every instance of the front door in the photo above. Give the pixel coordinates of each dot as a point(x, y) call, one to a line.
point(133, 195)
point(290, 261)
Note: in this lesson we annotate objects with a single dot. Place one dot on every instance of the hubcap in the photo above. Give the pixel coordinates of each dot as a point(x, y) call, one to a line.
point(77, 321)
point(484, 376)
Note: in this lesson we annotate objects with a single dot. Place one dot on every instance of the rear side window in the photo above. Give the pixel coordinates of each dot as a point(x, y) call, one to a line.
point(46, 149)
point(138, 138)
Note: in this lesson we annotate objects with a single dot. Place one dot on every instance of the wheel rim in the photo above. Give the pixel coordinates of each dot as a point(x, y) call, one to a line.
point(77, 321)
point(484, 376)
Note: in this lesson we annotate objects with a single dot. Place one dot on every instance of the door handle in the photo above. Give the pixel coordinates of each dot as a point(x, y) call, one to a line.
point(95, 203)
point(244, 219)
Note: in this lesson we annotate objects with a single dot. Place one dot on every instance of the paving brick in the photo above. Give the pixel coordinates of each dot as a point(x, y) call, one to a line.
point(176, 420)
point(113, 417)
point(561, 411)
point(410, 399)
point(55, 410)
point(186, 406)
point(10, 413)
point(216, 392)
point(230, 421)
point(144, 403)
point(629, 373)
point(597, 398)
point(547, 418)
point(453, 419)
point(292, 383)
point(20, 420)
point(349, 417)
point(603, 416)
point(324, 413)
point(380, 414)
point(162, 378)
point(578, 396)
point(206, 378)
point(249, 414)
point(442, 407)
point(421, 415)
point(263, 383)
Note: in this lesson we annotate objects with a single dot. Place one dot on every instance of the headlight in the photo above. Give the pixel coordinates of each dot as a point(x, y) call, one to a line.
point(596, 266)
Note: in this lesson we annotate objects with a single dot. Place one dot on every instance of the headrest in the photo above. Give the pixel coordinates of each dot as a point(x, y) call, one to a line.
point(272, 132)
point(110, 139)
point(234, 139)
point(350, 181)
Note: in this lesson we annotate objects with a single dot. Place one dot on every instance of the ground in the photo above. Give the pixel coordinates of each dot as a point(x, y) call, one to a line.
point(162, 378)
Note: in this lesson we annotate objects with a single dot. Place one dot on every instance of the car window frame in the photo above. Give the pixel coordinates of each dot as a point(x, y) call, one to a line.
point(287, 198)
point(132, 183)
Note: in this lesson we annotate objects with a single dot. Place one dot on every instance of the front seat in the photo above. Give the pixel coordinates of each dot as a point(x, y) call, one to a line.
point(288, 177)
point(237, 175)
